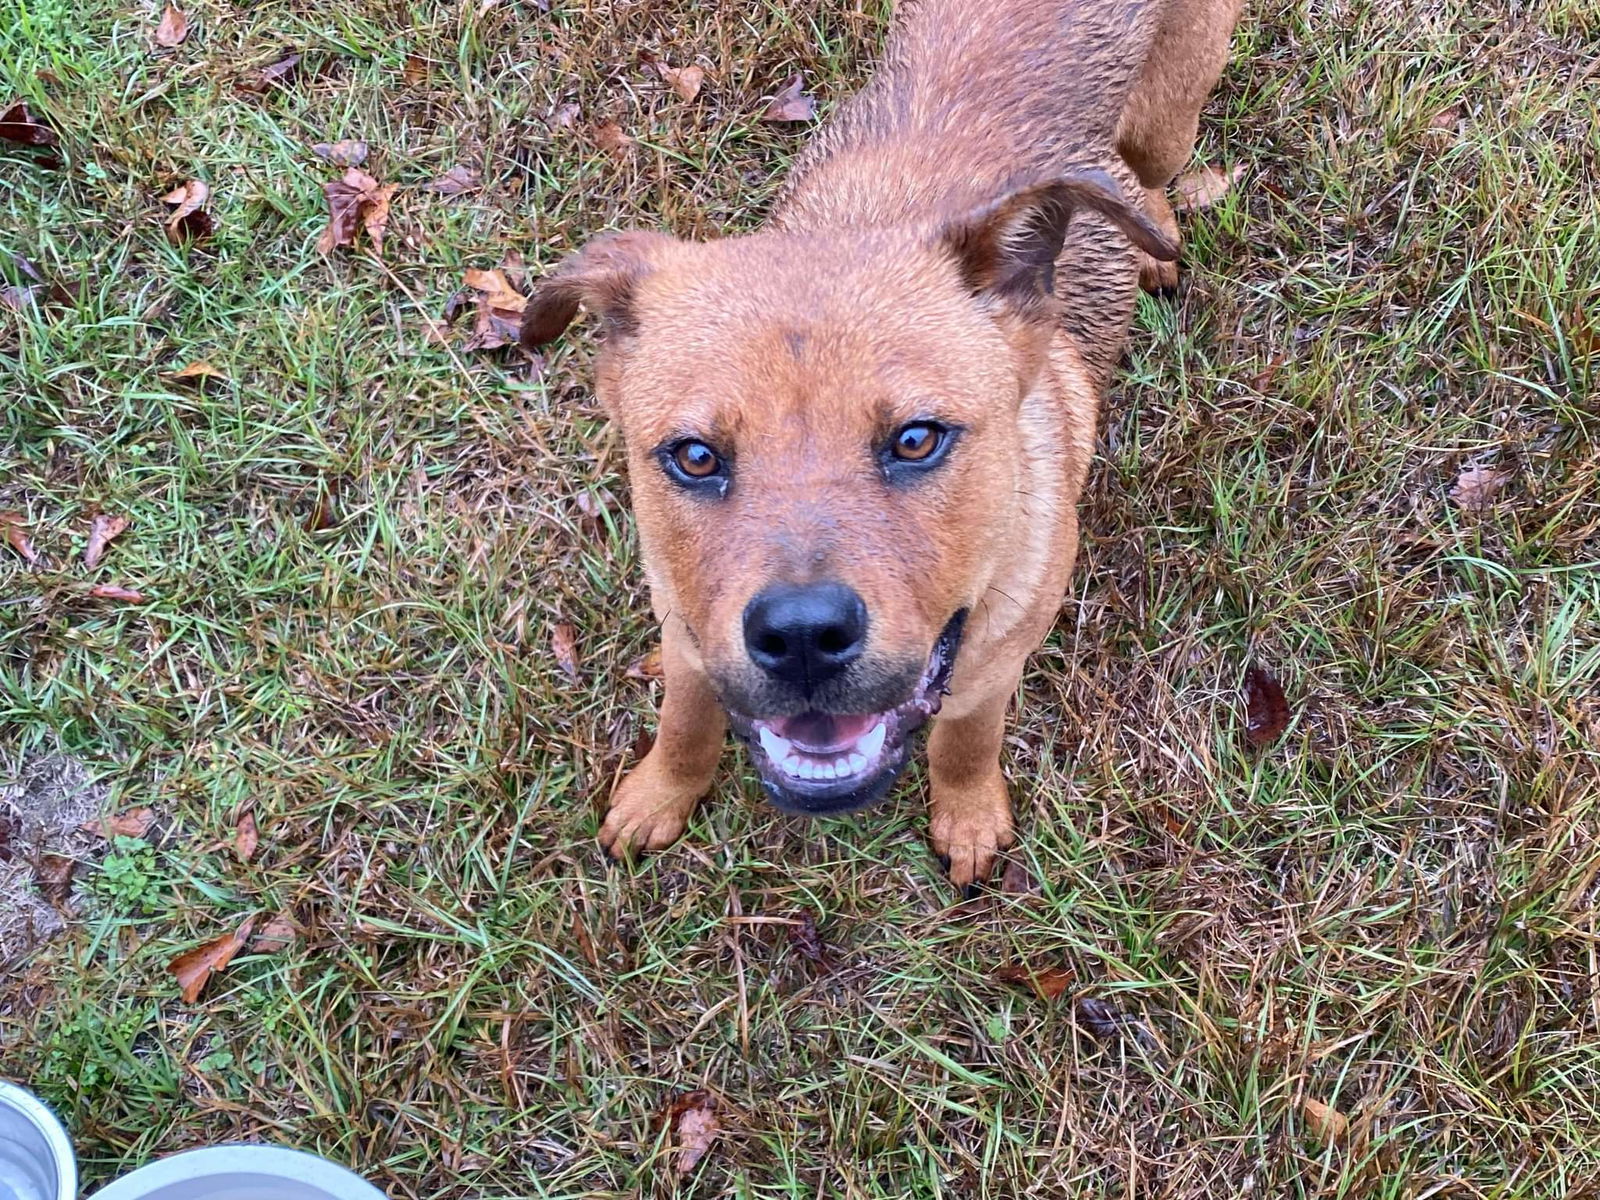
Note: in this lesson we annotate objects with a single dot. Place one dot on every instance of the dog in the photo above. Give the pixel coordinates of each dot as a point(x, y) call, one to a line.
point(856, 437)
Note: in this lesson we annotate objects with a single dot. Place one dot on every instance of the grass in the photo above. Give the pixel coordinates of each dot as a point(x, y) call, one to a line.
point(1391, 912)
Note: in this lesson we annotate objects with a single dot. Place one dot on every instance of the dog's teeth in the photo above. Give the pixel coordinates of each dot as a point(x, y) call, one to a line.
point(856, 763)
point(778, 748)
point(871, 743)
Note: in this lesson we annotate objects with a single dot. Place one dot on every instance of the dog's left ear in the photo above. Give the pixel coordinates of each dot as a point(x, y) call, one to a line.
point(1008, 248)
point(601, 277)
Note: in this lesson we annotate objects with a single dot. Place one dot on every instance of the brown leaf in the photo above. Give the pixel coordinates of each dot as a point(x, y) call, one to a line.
point(1017, 880)
point(646, 666)
point(1446, 118)
point(103, 530)
point(686, 81)
point(110, 591)
point(608, 135)
point(173, 29)
point(17, 538)
point(1099, 1017)
point(278, 71)
point(194, 968)
point(1266, 711)
point(197, 370)
point(245, 837)
point(349, 153)
point(1328, 1125)
point(1047, 982)
point(456, 180)
point(277, 934)
point(17, 124)
point(695, 1125)
point(1476, 487)
point(17, 297)
point(375, 218)
point(566, 115)
point(499, 321)
point(355, 201)
point(564, 645)
point(807, 941)
point(8, 830)
point(133, 822)
point(188, 220)
point(791, 103)
point(415, 71)
point(52, 875)
point(1203, 188)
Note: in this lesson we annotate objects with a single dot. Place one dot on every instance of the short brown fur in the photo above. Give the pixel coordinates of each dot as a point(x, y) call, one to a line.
point(905, 274)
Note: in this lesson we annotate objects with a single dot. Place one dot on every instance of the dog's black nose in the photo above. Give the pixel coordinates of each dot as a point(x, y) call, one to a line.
point(805, 633)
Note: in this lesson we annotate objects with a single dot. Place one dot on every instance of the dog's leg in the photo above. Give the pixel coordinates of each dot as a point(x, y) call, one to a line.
point(651, 806)
point(1157, 129)
point(968, 808)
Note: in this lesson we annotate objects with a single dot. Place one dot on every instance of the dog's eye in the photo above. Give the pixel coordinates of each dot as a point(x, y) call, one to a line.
point(917, 442)
point(694, 464)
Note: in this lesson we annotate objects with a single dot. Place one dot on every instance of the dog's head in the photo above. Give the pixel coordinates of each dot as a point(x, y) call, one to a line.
point(824, 451)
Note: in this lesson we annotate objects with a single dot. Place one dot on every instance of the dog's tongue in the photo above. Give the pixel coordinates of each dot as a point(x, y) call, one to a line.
point(824, 733)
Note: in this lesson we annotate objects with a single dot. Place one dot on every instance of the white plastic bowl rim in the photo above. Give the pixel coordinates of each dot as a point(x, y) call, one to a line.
point(41, 1118)
point(261, 1170)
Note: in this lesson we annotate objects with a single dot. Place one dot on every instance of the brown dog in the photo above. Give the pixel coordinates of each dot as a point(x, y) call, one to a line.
point(856, 438)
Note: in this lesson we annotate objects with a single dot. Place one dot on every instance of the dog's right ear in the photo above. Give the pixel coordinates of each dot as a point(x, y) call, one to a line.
point(601, 278)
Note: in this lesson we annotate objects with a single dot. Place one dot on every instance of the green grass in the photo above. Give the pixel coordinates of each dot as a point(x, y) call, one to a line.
point(1392, 911)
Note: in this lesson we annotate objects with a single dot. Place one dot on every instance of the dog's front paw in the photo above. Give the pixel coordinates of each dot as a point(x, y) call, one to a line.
point(969, 829)
point(647, 813)
point(1157, 277)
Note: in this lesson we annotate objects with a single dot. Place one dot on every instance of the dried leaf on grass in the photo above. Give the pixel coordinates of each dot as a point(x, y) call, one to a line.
point(415, 71)
point(277, 934)
point(1266, 710)
point(646, 666)
point(1017, 880)
point(8, 831)
point(1328, 1125)
point(19, 125)
point(565, 116)
point(1047, 982)
point(807, 941)
point(686, 81)
point(499, 320)
point(189, 220)
point(174, 27)
point(1203, 188)
point(193, 968)
point(349, 153)
point(456, 180)
point(1446, 118)
point(11, 524)
point(245, 837)
point(103, 530)
point(693, 1117)
point(111, 591)
point(564, 645)
point(1476, 488)
point(133, 822)
point(609, 136)
point(52, 875)
point(197, 370)
point(356, 201)
point(277, 72)
point(791, 103)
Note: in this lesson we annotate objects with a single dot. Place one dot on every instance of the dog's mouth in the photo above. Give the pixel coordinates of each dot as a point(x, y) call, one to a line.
point(818, 763)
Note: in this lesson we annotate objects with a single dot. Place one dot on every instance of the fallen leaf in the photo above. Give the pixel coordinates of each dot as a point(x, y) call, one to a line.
point(791, 103)
point(8, 830)
point(808, 942)
point(1099, 1017)
point(1017, 880)
point(415, 71)
point(1583, 332)
point(325, 513)
point(278, 71)
point(133, 822)
point(349, 153)
point(516, 271)
point(646, 666)
point(18, 540)
point(17, 297)
point(564, 645)
point(17, 124)
point(245, 837)
point(52, 875)
point(685, 81)
point(1203, 188)
point(1047, 982)
point(456, 180)
point(593, 507)
point(1446, 118)
point(566, 115)
point(355, 201)
point(1328, 1125)
point(608, 135)
point(499, 321)
point(1475, 488)
point(1266, 711)
point(173, 29)
point(103, 530)
point(188, 220)
point(194, 968)
point(197, 370)
point(110, 591)
point(277, 934)
point(695, 1125)
point(496, 288)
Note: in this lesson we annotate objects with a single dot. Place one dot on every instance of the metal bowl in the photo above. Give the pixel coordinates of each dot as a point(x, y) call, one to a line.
point(239, 1172)
point(36, 1159)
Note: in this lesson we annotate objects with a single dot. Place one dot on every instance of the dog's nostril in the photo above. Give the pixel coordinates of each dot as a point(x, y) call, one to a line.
point(834, 640)
point(771, 645)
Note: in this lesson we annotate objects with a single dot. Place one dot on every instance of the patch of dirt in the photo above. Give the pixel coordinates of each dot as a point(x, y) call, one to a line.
point(45, 799)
